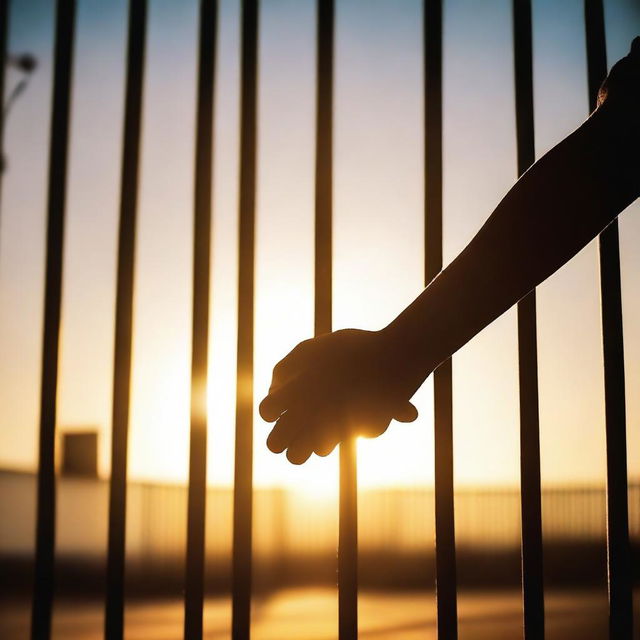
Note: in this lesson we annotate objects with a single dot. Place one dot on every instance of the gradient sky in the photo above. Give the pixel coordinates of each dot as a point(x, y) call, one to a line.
point(378, 252)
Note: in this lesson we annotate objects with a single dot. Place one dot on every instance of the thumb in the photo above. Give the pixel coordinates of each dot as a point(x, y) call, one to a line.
point(405, 413)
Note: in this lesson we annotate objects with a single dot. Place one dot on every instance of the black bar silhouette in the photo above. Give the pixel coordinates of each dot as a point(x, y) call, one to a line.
point(446, 597)
point(56, 195)
point(114, 615)
point(196, 509)
point(530, 500)
point(348, 543)
point(324, 169)
point(243, 478)
point(618, 549)
point(348, 516)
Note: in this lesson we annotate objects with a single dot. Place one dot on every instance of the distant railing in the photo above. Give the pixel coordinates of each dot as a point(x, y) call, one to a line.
point(616, 492)
point(396, 520)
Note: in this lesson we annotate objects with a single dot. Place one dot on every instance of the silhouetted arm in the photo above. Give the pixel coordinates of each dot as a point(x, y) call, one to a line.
point(556, 208)
point(355, 382)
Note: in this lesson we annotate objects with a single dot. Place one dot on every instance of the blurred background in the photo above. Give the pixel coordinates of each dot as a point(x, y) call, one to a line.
point(378, 269)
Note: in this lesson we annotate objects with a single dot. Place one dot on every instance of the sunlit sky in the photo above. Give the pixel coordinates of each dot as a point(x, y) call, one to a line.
point(378, 226)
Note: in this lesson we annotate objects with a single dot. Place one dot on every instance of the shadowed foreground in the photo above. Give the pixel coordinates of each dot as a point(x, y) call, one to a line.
point(311, 614)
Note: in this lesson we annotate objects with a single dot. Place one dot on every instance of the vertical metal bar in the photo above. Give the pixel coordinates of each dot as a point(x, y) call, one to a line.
point(194, 578)
point(348, 543)
point(530, 500)
point(446, 597)
point(618, 549)
point(243, 476)
point(58, 154)
point(114, 617)
point(348, 515)
point(323, 304)
point(530, 490)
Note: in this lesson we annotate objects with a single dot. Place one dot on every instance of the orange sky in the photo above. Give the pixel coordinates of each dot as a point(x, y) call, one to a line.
point(378, 231)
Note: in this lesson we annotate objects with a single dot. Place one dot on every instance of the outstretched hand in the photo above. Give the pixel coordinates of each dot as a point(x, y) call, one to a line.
point(333, 387)
point(353, 382)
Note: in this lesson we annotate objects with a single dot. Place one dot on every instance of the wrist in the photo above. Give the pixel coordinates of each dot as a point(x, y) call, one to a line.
point(406, 354)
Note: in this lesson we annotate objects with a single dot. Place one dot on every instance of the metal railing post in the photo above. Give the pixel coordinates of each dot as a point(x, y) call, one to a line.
point(197, 498)
point(114, 615)
point(530, 500)
point(56, 196)
point(243, 475)
point(618, 548)
point(446, 596)
point(323, 311)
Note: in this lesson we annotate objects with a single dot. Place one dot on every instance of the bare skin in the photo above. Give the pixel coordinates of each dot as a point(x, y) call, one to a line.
point(354, 382)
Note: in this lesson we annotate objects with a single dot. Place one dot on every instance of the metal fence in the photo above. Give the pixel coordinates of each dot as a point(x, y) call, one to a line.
point(532, 585)
point(394, 522)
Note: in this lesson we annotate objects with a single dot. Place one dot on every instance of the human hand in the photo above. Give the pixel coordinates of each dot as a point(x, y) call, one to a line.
point(329, 388)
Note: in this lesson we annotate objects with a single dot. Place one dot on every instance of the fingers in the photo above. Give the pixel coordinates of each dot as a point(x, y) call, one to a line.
point(281, 389)
point(319, 436)
point(324, 448)
point(276, 402)
point(373, 420)
point(282, 433)
point(292, 434)
point(302, 433)
point(307, 443)
point(285, 381)
point(302, 446)
point(406, 413)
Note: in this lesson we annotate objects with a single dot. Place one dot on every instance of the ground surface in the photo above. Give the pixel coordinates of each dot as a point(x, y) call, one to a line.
point(311, 614)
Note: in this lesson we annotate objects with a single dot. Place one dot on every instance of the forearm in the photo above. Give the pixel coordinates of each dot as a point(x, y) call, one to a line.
point(551, 213)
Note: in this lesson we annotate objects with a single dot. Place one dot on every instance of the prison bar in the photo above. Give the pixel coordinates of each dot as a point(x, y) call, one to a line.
point(530, 500)
point(243, 473)
point(323, 309)
point(56, 195)
point(348, 543)
point(323, 270)
point(446, 596)
point(618, 548)
point(114, 614)
point(196, 508)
